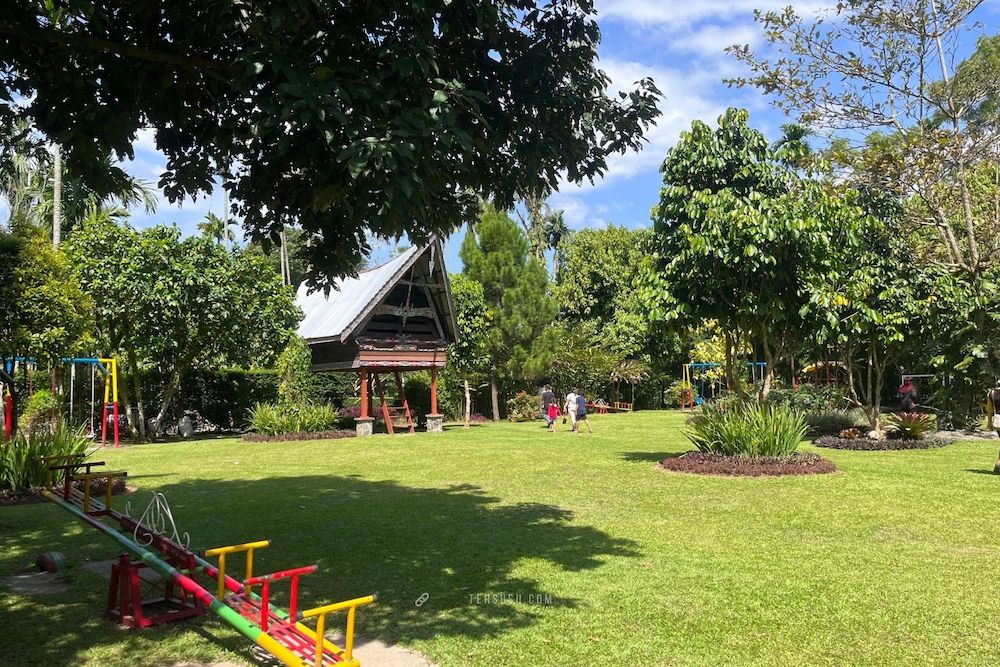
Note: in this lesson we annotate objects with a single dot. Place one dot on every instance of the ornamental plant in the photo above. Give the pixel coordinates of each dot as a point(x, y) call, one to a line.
point(910, 425)
point(746, 430)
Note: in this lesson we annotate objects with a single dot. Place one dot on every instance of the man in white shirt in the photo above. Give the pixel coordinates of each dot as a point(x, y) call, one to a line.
point(571, 407)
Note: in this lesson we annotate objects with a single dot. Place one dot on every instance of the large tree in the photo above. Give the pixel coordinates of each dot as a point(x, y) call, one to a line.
point(598, 283)
point(738, 236)
point(914, 114)
point(890, 78)
point(176, 304)
point(468, 355)
point(393, 116)
point(520, 339)
point(45, 314)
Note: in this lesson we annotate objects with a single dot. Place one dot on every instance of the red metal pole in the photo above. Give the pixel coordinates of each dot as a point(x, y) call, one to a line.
point(264, 596)
point(104, 425)
point(294, 604)
point(364, 393)
point(434, 390)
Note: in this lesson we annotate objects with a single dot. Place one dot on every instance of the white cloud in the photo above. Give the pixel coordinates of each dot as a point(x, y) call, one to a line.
point(575, 210)
point(683, 101)
point(712, 40)
point(682, 13)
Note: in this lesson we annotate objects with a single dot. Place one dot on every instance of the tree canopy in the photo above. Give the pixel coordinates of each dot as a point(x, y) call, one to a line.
point(739, 235)
point(394, 117)
point(175, 303)
point(520, 311)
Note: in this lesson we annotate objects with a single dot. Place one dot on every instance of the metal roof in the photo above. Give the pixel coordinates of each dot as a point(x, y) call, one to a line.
point(327, 316)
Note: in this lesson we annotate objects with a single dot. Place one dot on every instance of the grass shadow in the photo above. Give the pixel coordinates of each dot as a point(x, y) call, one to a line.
point(458, 547)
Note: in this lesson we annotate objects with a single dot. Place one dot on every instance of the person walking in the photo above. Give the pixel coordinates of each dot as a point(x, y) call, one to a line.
point(581, 412)
point(993, 416)
point(549, 402)
point(570, 408)
point(908, 394)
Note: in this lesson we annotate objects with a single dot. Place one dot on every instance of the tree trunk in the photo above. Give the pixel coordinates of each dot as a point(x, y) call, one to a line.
point(771, 360)
point(468, 403)
point(168, 396)
point(137, 384)
point(495, 395)
point(57, 196)
point(734, 379)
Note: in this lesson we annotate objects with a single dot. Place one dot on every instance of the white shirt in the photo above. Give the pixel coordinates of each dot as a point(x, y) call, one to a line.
point(571, 400)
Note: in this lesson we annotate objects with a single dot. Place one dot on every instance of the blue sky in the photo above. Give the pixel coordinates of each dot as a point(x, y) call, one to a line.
point(679, 44)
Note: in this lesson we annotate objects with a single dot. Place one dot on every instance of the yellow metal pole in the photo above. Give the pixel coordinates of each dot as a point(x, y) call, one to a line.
point(320, 631)
point(349, 636)
point(114, 377)
point(222, 576)
point(246, 587)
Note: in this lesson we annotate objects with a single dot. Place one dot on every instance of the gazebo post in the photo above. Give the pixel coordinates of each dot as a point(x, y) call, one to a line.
point(363, 424)
point(435, 422)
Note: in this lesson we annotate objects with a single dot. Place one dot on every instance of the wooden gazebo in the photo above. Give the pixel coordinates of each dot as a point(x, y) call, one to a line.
point(393, 318)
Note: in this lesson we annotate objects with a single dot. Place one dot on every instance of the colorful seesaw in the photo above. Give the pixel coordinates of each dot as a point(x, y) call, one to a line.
point(281, 633)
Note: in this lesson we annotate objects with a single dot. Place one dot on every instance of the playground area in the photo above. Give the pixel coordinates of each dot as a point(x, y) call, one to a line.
point(503, 545)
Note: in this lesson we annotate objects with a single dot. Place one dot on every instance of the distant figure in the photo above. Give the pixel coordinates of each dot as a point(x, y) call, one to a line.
point(570, 407)
point(908, 392)
point(993, 417)
point(581, 413)
point(553, 414)
point(549, 400)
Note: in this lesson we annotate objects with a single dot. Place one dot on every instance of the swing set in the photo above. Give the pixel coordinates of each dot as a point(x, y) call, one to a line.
point(696, 371)
point(106, 366)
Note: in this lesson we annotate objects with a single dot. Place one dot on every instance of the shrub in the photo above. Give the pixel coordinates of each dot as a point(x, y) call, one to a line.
point(909, 425)
point(295, 377)
point(476, 418)
point(349, 412)
point(271, 419)
point(524, 407)
point(850, 434)
point(808, 398)
point(746, 430)
point(833, 420)
point(868, 444)
point(39, 409)
point(20, 469)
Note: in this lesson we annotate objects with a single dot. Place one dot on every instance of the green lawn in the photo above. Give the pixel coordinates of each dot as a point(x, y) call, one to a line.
point(894, 560)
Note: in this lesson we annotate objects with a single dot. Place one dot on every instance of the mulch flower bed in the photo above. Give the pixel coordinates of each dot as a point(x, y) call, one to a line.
point(700, 463)
point(287, 437)
point(867, 444)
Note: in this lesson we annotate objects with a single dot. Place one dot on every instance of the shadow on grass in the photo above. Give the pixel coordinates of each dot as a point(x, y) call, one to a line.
point(458, 546)
point(983, 471)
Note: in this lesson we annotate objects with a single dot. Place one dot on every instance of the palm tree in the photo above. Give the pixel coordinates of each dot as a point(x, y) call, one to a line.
point(21, 162)
point(556, 231)
point(28, 181)
point(217, 229)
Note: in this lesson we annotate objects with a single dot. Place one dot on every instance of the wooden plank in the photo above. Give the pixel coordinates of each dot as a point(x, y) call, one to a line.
point(404, 311)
